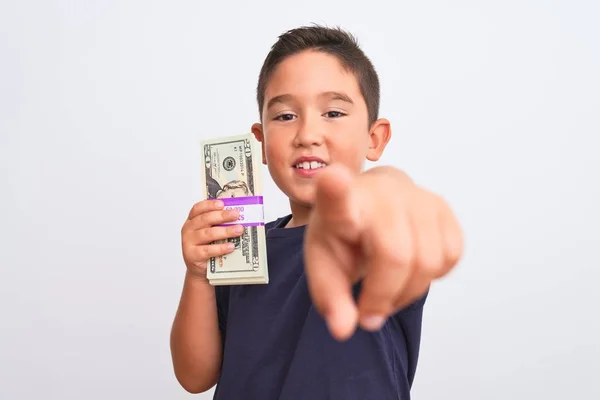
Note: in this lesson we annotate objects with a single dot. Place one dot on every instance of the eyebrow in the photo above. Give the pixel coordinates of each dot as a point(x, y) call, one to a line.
point(332, 95)
point(337, 96)
point(282, 98)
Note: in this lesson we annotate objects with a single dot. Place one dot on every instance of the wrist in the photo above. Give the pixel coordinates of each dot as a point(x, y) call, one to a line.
point(196, 279)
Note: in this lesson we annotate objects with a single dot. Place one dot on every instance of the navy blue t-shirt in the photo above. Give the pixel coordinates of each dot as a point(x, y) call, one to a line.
point(277, 346)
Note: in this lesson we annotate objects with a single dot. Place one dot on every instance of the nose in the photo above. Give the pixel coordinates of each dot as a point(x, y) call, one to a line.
point(309, 133)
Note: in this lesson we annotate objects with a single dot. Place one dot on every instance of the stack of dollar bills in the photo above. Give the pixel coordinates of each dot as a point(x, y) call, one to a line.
point(232, 173)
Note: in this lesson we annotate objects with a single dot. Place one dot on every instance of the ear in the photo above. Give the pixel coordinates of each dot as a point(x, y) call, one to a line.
point(257, 130)
point(379, 136)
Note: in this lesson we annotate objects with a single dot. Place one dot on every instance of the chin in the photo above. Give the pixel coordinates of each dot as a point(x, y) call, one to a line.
point(303, 203)
point(303, 193)
point(304, 198)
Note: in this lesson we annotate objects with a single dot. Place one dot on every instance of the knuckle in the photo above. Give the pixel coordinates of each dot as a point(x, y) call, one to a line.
point(185, 250)
point(445, 269)
point(203, 253)
point(224, 248)
point(379, 298)
point(453, 255)
point(429, 262)
point(456, 249)
point(186, 234)
point(212, 234)
point(185, 242)
point(230, 214)
point(206, 236)
point(234, 230)
point(216, 249)
point(397, 253)
point(204, 219)
point(400, 257)
point(197, 207)
point(449, 263)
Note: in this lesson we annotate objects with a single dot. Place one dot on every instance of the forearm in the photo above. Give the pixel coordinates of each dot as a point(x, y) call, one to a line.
point(195, 337)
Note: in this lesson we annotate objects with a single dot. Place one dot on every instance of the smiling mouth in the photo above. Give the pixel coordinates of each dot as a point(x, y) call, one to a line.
point(310, 165)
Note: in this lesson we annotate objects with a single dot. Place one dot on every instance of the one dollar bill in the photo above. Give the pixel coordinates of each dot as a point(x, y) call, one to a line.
point(232, 173)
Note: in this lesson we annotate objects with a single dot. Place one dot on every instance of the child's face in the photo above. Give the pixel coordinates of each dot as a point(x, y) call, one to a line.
point(314, 109)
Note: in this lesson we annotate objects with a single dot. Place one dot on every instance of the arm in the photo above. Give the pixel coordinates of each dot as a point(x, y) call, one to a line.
point(195, 337)
point(196, 344)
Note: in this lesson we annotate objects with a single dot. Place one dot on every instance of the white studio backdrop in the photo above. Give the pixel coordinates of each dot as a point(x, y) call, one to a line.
point(102, 107)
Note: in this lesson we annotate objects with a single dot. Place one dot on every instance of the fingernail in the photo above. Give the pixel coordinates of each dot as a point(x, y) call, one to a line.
point(230, 246)
point(238, 229)
point(372, 322)
point(219, 204)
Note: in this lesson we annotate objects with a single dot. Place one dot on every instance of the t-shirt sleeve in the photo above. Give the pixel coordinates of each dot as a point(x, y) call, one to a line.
point(410, 320)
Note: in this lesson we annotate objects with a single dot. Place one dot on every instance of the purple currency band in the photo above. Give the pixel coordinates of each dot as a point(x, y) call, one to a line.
point(242, 201)
point(250, 209)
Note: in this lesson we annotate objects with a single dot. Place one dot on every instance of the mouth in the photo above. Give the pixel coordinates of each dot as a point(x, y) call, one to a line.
point(309, 163)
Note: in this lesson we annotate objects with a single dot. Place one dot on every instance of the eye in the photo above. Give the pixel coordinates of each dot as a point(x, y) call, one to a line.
point(334, 114)
point(284, 117)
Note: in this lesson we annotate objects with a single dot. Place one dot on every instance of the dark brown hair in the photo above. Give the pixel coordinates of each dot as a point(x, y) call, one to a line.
point(333, 41)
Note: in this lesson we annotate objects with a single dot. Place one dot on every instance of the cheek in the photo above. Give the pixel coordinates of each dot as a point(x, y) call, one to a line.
point(276, 159)
point(275, 150)
point(352, 150)
point(270, 154)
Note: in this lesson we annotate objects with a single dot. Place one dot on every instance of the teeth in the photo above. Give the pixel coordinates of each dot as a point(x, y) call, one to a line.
point(310, 165)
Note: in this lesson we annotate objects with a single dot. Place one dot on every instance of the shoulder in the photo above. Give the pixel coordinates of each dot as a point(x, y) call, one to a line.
point(277, 223)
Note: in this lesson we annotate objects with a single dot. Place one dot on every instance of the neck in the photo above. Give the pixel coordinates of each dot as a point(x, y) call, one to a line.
point(300, 214)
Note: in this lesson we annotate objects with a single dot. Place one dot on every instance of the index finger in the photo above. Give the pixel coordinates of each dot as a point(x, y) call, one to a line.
point(205, 206)
point(329, 285)
point(335, 203)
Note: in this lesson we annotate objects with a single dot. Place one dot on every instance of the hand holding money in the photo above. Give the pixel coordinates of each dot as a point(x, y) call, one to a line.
point(232, 174)
point(382, 228)
point(199, 232)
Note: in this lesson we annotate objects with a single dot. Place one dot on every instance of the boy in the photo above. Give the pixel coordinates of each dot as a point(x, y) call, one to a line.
point(349, 267)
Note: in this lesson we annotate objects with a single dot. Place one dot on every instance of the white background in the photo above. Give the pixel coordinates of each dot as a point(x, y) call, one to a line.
point(495, 105)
